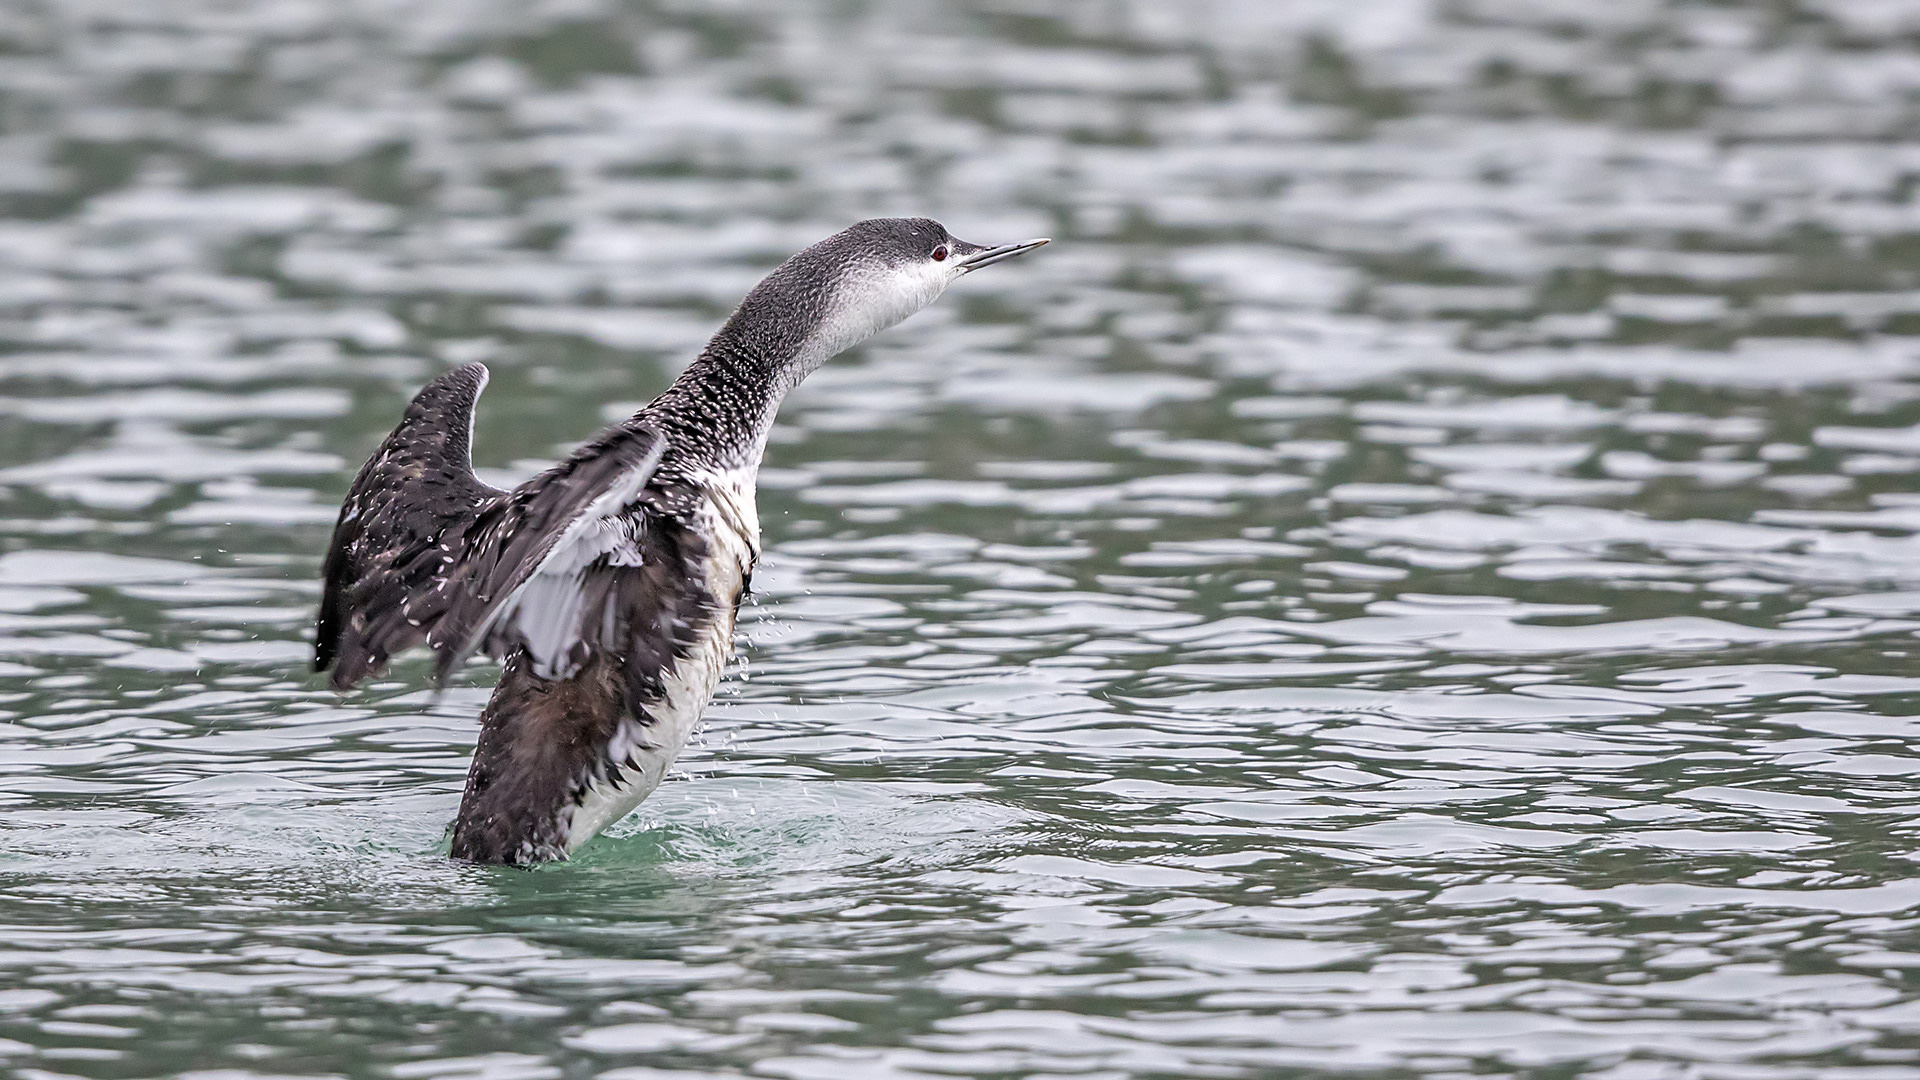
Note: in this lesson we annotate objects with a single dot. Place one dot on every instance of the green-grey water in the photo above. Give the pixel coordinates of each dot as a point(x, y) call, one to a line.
point(1420, 579)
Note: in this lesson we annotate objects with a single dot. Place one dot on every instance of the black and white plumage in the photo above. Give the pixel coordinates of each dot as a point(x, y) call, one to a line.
point(607, 585)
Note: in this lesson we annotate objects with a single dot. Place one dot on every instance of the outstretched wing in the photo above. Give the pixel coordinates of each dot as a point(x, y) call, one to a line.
point(425, 552)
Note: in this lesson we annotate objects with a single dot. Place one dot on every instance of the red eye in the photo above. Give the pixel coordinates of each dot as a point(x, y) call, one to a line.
point(940, 253)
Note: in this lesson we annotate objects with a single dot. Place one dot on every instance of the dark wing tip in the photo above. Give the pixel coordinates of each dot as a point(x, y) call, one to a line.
point(416, 483)
point(442, 412)
point(472, 374)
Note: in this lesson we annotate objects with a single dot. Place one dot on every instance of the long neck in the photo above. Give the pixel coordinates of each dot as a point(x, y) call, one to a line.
point(720, 409)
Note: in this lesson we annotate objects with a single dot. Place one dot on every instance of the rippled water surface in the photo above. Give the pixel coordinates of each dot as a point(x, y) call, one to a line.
point(1420, 579)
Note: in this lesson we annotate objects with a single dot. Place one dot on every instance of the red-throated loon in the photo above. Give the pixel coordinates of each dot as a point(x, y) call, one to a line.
point(607, 585)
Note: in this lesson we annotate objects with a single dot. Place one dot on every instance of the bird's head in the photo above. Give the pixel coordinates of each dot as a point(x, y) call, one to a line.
point(885, 269)
point(857, 282)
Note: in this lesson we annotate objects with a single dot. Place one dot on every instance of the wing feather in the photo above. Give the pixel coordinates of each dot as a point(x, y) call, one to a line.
point(426, 552)
point(618, 472)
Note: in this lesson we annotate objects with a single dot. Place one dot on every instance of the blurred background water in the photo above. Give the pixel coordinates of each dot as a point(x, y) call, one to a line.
point(1420, 579)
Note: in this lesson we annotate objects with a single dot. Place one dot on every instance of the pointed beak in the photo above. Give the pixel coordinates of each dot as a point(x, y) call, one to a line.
point(980, 257)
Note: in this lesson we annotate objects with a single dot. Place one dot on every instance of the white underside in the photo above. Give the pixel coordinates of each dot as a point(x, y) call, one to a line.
point(646, 751)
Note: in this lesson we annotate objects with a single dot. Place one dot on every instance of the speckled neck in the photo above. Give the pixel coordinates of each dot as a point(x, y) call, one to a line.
point(719, 411)
point(721, 408)
point(828, 298)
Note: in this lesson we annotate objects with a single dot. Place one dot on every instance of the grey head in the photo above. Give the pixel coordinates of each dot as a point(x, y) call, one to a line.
point(851, 286)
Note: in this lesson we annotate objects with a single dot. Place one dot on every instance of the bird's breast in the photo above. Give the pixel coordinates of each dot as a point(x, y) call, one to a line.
point(733, 519)
point(728, 526)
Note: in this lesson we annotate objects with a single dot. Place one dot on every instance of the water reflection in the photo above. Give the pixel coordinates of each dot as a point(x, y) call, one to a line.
point(1420, 580)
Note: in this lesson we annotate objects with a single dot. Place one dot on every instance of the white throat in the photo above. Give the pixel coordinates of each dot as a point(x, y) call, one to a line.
point(867, 301)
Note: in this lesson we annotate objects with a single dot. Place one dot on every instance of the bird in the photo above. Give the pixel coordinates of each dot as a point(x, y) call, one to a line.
point(608, 585)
